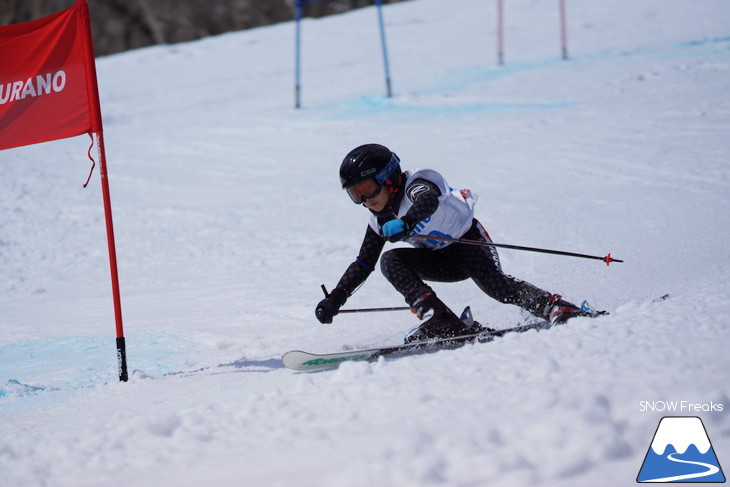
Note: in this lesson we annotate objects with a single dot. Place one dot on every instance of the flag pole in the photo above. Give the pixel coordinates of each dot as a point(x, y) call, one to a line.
point(97, 128)
point(121, 344)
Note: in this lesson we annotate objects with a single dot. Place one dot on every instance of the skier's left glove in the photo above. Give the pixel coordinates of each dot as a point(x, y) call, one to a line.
point(395, 230)
point(330, 306)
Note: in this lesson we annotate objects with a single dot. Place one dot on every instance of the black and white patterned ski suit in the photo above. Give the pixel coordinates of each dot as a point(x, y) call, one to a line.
point(407, 268)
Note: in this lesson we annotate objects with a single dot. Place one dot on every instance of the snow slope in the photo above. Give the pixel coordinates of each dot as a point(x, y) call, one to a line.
point(228, 217)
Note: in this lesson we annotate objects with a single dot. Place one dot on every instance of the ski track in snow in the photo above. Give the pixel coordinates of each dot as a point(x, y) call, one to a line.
point(228, 216)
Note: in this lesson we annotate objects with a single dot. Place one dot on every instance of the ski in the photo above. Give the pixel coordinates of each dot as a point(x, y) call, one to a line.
point(306, 361)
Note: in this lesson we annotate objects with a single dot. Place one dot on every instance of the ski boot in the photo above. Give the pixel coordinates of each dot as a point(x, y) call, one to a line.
point(558, 311)
point(474, 326)
point(440, 322)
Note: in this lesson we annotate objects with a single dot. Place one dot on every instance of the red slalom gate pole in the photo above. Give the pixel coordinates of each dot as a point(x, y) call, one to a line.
point(500, 32)
point(563, 30)
point(97, 128)
point(121, 345)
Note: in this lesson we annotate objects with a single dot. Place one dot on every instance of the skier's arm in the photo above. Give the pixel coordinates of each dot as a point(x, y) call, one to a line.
point(353, 277)
point(425, 197)
point(364, 264)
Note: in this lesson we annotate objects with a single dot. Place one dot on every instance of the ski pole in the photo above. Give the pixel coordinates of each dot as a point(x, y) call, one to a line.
point(607, 259)
point(366, 310)
point(370, 310)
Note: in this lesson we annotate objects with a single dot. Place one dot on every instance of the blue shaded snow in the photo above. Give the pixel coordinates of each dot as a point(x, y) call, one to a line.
point(430, 100)
point(396, 107)
point(705, 41)
point(37, 373)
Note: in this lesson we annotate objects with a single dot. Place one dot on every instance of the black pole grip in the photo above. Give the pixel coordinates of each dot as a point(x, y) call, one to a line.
point(122, 359)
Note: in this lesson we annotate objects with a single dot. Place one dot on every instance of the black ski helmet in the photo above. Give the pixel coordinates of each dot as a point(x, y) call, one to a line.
point(368, 161)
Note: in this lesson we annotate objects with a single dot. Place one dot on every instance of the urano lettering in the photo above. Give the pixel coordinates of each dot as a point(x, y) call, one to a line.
point(42, 84)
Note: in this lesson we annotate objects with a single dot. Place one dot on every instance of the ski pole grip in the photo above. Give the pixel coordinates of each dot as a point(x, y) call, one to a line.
point(320, 313)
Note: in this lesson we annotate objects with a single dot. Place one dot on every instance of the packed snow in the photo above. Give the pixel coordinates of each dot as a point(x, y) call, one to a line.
point(228, 216)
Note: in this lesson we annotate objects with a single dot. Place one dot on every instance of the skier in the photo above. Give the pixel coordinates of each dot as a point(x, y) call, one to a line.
point(421, 202)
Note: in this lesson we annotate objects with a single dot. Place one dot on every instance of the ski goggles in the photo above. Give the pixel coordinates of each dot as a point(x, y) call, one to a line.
point(364, 190)
point(369, 188)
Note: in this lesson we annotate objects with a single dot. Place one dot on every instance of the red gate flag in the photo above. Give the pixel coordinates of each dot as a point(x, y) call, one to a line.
point(48, 87)
point(48, 91)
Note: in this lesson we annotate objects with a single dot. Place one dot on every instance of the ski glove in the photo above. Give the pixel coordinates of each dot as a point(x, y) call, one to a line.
point(330, 306)
point(394, 230)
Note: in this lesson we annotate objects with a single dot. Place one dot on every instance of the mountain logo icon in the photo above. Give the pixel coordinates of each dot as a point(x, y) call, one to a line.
point(681, 452)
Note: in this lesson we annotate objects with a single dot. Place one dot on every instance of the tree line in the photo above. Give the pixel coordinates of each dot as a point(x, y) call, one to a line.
point(119, 25)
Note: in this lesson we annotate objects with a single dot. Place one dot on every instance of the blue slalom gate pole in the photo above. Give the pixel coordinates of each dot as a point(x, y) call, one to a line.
point(379, 3)
point(299, 12)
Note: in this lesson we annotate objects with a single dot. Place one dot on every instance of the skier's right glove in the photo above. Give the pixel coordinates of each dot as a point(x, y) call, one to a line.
point(394, 230)
point(330, 306)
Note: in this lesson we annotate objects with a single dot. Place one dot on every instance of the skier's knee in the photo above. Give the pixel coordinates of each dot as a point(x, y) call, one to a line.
point(389, 262)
